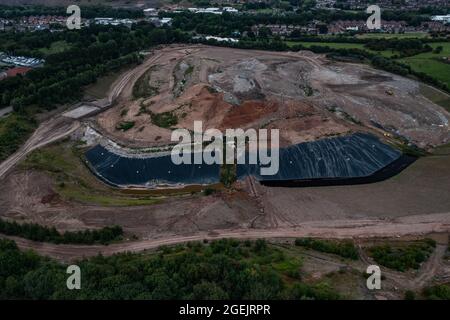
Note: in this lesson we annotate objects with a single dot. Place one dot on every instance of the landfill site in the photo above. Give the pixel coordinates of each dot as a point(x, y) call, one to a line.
point(306, 96)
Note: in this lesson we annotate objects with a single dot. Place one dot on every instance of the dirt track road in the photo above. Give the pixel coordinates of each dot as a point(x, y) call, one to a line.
point(126, 82)
point(47, 132)
point(129, 78)
point(59, 127)
point(412, 225)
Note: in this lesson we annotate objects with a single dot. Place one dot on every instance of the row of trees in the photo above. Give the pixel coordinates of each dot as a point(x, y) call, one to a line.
point(406, 47)
point(40, 233)
point(344, 249)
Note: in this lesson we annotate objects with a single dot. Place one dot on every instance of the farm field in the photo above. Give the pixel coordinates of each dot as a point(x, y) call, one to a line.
point(339, 45)
point(393, 36)
point(429, 62)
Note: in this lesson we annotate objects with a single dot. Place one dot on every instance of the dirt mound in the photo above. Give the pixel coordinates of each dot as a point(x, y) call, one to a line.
point(248, 113)
point(232, 88)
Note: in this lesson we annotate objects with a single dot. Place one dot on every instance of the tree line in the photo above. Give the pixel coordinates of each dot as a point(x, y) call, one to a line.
point(222, 269)
point(35, 232)
point(88, 12)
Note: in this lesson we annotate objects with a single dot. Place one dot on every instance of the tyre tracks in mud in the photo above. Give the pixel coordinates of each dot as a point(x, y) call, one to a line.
point(359, 229)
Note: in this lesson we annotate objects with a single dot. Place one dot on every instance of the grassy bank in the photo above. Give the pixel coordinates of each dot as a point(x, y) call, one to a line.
point(56, 47)
point(339, 45)
point(73, 180)
point(142, 88)
point(14, 131)
point(431, 63)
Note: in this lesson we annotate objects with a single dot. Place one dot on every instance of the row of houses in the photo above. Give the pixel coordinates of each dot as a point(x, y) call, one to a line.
point(285, 30)
point(114, 22)
point(32, 23)
point(345, 26)
point(152, 12)
point(342, 26)
point(214, 10)
point(389, 4)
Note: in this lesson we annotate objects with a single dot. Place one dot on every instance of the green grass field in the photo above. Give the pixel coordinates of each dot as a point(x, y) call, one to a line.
point(100, 88)
point(429, 62)
point(436, 96)
point(392, 36)
point(73, 180)
point(56, 47)
point(339, 45)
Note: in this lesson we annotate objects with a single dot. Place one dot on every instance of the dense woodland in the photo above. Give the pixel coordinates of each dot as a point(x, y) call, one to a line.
point(223, 269)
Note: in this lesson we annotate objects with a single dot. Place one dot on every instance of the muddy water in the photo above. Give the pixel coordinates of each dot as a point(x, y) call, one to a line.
point(356, 155)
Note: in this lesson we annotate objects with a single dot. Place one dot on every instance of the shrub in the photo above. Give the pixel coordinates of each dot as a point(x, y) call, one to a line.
point(402, 257)
point(344, 249)
point(125, 125)
point(35, 232)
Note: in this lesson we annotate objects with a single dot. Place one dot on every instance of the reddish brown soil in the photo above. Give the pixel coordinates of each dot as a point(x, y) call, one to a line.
point(247, 113)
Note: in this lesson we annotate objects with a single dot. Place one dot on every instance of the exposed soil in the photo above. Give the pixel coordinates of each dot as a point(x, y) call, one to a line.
point(421, 189)
point(414, 202)
point(302, 94)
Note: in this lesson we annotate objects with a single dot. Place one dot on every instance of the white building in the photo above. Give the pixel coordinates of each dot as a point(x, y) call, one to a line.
point(161, 22)
point(230, 10)
point(150, 12)
point(166, 21)
point(22, 61)
point(114, 22)
point(210, 10)
point(220, 39)
point(445, 18)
